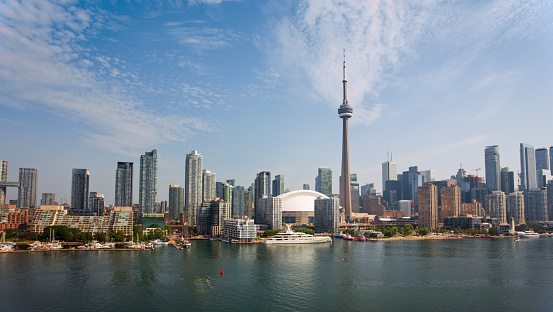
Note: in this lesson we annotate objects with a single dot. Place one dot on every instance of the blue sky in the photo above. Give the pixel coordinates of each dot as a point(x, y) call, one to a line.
point(256, 86)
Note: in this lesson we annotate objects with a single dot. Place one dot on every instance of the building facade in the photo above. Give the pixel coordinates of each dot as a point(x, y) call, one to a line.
point(327, 215)
point(507, 181)
point(493, 176)
point(278, 185)
point(428, 206)
point(323, 182)
point(176, 201)
point(241, 230)
point(79, 191)
point(451, 202)
point(496, 208)
point(211, 217)
point(193, 185)
point(389, 173)
point(542, 166)
point(26, 197)
point(262, 189)
point(536, 208)
point(48, 199)
point(148, 183)
point(269, 212)
point(238, 202)
point(515, 207)
point(96, 204)
point(208, 185)
point(528, 178)
point(123, 184)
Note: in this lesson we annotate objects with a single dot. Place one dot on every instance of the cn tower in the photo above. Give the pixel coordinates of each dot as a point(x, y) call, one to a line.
point(345, 112)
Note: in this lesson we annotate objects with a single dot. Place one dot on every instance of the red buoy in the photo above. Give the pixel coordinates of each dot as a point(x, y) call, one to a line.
point(222, 272)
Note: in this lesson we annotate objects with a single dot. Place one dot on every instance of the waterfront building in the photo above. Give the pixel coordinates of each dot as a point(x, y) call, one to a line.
point(48, 199)
point(240, 229)
point(262, 189)
point(306, 187)
point(389, 173)
point(124, 184)
point(542, 164)
point(496, 208)
point(212, 215)
point(507, 181)
point(238, 203)
point(119, 219)
point(323, 182)
point(79, 191)
point(550, 199)
point(466, 222)
point(551, 159)
point(405, 207)
point(493, 178)
point(473, 208)
point(269, 212)
point(278, 185)
point(536, 208)
point(176, 201)
point(13, 218)
point(193, 185)
point(327, 215)
point(451, 202)
point(527, 167)
point(96, 204)
point(148, 183)
point(208, 185)
point(28, 179)
point(428, 206)
point(152, 221)
point(515, 207)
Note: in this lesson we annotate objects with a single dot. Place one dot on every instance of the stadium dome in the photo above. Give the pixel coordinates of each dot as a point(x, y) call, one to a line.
point(300, 200)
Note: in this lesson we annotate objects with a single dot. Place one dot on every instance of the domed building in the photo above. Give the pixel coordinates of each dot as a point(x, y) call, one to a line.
point(298, 207)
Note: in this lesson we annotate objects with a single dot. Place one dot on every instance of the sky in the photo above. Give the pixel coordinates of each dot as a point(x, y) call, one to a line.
point(255, 86)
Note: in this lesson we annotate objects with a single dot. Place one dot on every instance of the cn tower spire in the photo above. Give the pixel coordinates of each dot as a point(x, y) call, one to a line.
point(345, 112)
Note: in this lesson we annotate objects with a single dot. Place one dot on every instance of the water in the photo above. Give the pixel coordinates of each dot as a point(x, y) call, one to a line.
point(446, 275)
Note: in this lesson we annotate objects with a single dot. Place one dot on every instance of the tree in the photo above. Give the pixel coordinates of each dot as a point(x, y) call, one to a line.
point(493, 231)
point(407, 229)
point(304, 230)
point(101, 236)
point(423, 231)
point(168, 229)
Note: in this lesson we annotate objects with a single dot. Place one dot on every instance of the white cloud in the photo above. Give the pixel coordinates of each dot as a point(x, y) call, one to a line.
point(42, 67)
point(205, 38)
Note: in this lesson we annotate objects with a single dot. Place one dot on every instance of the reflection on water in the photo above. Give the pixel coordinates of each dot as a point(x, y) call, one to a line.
point(469, 274)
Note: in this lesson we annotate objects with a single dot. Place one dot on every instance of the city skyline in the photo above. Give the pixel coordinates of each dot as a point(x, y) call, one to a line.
point(205, 77)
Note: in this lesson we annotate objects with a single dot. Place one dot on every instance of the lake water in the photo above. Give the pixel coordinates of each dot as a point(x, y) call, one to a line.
point(439, 275)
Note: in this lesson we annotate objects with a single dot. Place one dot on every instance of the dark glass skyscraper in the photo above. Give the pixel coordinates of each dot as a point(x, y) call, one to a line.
point(323, 182)
point(262, 189)
point(123, 184)
point(493, 176)
point(26, 197)
point(79, 191)
point(148, 182)
point(527, 167)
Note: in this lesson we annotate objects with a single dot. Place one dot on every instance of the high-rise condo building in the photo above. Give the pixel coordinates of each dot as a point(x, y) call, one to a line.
point(148, 183)
point(542, 166)
point(269, 212)
point(238, 203)
point(123, 184)
point(551, 159)
point(550, 199)
point(306, 187)
point(48, 199)
point(193, 185)
point(231, 182)
point(345, 112)
point(493, 177)
point(323, 182)
point(176, 201)
point(496, 208)
point(428, 206)
point(248, 204)
point(79, 191)
point(208, 185)
point(26, 197)
point(212, 215)
point(536, 209)
point(389, 173)
point(451, 202)
point(515, 207)
point(262, 189)
point(354, 190)
point(507, 181)
point(528, 179)
point(326, 215)
point(278, 185)
point(96, 204)
point(3, 181)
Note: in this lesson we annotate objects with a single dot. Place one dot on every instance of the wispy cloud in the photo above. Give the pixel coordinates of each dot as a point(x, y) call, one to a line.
point(381, 37)
point(205, 38)
point(45, 67)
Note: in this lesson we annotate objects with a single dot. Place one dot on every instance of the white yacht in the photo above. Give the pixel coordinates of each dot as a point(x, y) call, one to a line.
point(529, 234)
point(291, 237)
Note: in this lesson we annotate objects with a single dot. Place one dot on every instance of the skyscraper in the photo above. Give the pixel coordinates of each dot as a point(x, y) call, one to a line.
point(527, 167)
point(493, 176)
point(507, 181)
point(451, 202)
point(306, 186)
point(26, 197)
point(326, 215)
point(79, 191)
point(536, 209)
point(496, 207)
point(193, 185)
point(354, 191)
point(262, 189)
point(323, 182)
point(269, 211)
point(345, 112)
point(542, 166)
point(428, 206)
point(123, 184)
point(238, 202)
point(148, 183)
point(48, 199)
point(551, 159)
point(176, 201)
point(515, 207)
point(208, 185)
point(96, 204)
point(389, 173)
point(278, 185)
